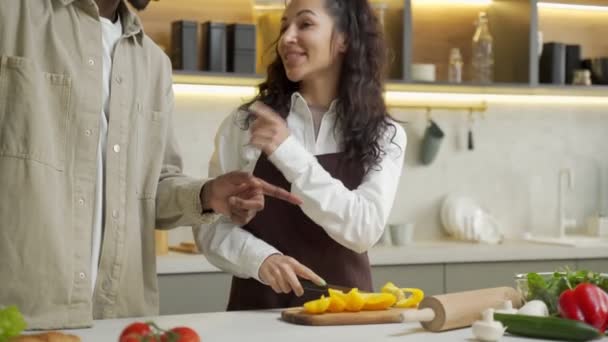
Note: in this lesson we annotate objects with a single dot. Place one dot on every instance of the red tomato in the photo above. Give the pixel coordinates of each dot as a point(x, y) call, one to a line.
point(138, 338)
point(134, 331)
point(182, 334)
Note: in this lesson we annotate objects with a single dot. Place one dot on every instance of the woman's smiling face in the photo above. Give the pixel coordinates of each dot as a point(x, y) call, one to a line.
point(308, 44)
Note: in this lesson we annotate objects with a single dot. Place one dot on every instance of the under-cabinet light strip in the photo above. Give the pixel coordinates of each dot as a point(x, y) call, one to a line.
point(396, 98)
point(554, 5)
point(455, 2)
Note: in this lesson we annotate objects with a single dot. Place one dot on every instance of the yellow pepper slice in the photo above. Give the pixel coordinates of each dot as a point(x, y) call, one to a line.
point(318, 306)
point(406, 297)
point(411, 301)
point(394, 290)
point(337, 301)
point(378, 301)
point(354, 301)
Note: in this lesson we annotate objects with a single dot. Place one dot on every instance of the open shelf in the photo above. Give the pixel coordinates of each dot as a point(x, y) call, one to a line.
point(585, 28)
point(229, 79)
point(419, 32)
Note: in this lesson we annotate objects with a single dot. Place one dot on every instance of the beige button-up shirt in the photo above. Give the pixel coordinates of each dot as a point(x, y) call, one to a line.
point(50, 100)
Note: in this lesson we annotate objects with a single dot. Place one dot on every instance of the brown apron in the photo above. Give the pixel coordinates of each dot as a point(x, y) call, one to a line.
point(288, 229)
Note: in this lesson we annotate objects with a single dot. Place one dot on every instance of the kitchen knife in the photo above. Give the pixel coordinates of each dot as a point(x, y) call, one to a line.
point(308, 285)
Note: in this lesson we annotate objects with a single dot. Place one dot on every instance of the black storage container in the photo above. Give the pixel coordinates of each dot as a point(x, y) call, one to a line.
point(552, 68)
point(184, 45)
point(241, 39)
point(213, 47)
point(573, 61)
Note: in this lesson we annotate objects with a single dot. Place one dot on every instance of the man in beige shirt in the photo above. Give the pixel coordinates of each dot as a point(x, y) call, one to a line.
point(89, 165)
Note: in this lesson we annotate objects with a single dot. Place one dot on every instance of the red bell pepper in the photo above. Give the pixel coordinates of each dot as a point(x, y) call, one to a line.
point(585, 303)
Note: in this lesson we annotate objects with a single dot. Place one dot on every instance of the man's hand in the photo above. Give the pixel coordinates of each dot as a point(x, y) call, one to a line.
point(281, 273)
point(269, 129)
point(239, 196)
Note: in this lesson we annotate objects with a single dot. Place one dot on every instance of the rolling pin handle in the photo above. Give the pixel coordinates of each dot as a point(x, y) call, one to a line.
point(423, 315)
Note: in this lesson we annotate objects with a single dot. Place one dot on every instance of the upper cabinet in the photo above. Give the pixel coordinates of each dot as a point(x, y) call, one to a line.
point(423, 31)
point(438, 26)
point(585, 23)
point(157, 17)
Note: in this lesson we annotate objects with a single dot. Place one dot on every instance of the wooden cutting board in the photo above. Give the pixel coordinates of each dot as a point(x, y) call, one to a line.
point(298, 316)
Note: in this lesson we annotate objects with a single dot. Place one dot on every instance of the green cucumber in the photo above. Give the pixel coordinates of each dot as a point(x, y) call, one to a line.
point(547, 327)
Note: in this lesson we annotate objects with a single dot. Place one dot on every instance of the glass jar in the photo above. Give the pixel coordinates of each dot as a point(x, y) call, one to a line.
point(455, 66)
point(582, 77)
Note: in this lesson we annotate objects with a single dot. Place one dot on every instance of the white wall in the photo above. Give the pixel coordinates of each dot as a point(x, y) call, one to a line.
point(513, 171)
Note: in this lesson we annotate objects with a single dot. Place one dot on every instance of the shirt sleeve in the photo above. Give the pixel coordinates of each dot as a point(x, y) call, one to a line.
point(355, 219)
point(226, 245)
point(178, 196)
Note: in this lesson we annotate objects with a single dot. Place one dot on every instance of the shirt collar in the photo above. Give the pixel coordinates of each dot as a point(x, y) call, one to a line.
point(130, 21)
point(131, 24)
point(299, 106)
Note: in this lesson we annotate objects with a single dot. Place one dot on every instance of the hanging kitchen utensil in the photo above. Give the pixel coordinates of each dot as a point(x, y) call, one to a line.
point(470, 142)
point(431, 141)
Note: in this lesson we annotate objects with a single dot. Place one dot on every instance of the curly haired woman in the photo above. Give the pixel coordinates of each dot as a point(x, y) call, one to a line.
point(319, 128)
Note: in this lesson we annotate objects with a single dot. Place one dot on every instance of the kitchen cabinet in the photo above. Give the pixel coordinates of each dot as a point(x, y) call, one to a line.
point(194, 292)
point(470, 276)
point(576, 27)
point(596, 265)
point(420, 31)
point(208, 292)
point(427, 277)
point(436, 27)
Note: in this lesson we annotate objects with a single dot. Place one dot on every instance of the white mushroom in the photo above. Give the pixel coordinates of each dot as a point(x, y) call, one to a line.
point(487, 329)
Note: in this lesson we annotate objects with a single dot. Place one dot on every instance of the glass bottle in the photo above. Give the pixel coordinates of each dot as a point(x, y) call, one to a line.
point(455, 66)
point(483, 54)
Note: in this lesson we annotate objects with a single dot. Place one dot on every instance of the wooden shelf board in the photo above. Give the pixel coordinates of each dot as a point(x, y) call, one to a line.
point(396, 85)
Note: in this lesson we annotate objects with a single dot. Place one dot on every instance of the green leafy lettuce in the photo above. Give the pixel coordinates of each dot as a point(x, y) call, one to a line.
point(11, 323)
point(549, 290)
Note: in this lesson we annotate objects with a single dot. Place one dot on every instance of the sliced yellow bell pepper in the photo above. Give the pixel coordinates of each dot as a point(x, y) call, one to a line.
point(318, 306)
point(406, 297)
point(337, 301)
point(415, 297)
point(394, 290)
point(378, 301)
point(354, 301)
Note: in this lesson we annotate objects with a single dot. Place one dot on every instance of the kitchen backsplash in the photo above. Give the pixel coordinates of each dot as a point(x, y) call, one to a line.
point(513, 171)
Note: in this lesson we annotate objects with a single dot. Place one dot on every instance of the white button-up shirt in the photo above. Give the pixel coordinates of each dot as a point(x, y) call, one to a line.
point(355, 219)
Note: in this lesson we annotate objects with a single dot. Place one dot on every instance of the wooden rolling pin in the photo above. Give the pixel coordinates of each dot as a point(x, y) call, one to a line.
point(460, 309)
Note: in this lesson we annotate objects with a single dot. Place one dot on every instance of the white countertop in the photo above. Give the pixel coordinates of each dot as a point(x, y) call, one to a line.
point(432, 252)
point(266, 326)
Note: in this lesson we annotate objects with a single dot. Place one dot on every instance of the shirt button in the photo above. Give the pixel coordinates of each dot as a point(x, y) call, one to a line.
point(115, 214)
point(91, 62)
point(81, 201)
point(116, 148)
point(87, 132)
point(82, 275)
point(118, 79)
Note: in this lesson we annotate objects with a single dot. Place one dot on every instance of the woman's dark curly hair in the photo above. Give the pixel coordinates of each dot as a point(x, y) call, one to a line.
point(361, 112)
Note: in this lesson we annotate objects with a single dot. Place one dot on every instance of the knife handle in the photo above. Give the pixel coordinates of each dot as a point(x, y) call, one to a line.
point(309, 285)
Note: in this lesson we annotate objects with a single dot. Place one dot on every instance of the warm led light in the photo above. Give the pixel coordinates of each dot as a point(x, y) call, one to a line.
point(455, 2)
point(553, 5)
point(408, 98)
point(214, 90)
point(396, 98)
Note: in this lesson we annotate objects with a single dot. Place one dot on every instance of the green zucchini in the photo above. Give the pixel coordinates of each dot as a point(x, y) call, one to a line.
point(553, 328)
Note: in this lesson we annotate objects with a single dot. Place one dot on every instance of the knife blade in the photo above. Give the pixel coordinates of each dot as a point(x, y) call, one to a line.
point(308, 285)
